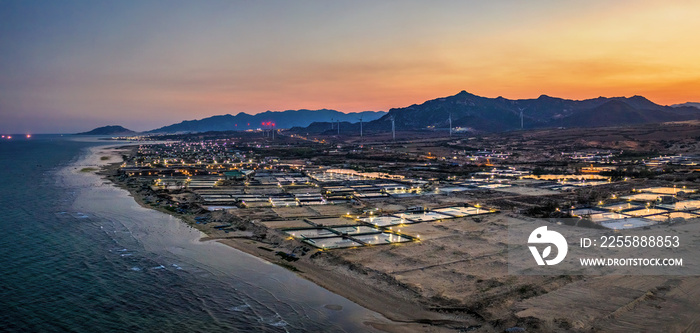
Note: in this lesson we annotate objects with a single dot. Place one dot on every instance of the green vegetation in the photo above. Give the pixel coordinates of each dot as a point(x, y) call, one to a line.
point(288, 266)
point(88, 169)
point(104, 158)
point(171, 208)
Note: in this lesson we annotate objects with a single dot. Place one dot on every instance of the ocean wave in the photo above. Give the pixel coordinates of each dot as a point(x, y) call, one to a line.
point(275, 321)
point(239, 308)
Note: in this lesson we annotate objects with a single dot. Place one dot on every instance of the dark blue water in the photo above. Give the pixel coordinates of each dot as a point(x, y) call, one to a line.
point(79, 255)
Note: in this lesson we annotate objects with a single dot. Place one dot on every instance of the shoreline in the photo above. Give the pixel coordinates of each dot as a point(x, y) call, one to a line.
point(397, 305)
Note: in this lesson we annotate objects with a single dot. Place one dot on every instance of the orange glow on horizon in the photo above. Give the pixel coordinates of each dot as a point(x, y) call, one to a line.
point(251, 57)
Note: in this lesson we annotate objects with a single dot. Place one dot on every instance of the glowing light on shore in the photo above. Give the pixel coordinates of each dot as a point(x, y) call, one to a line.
point(29, 136)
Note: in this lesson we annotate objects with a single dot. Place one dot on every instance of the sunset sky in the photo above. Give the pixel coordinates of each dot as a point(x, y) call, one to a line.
point(69, 66)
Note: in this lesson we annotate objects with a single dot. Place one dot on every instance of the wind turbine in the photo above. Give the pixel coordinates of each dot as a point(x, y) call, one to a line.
point(338, 126)
point(521, 119)
point(360, 126)
point(393, 129)
point(450, 119)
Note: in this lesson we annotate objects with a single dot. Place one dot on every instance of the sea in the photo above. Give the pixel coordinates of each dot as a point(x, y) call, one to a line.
point(78, 254)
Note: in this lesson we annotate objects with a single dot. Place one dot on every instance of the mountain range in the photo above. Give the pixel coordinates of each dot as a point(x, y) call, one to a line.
point(468, 111)
point(501, 114)
point(281, 119)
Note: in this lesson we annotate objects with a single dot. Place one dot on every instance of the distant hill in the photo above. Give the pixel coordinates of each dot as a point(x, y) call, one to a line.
point(108, 130)
point(691, 104)
point(616, 113)
point(282, 119)
point(501, 114)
